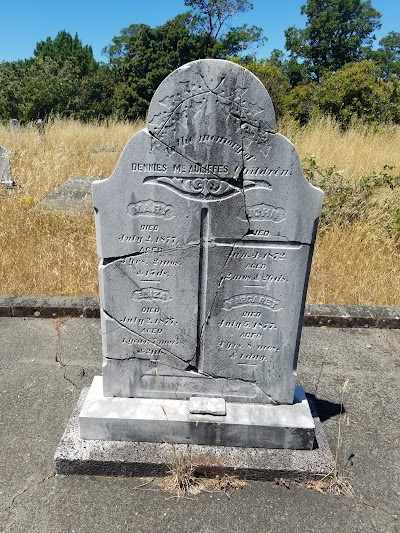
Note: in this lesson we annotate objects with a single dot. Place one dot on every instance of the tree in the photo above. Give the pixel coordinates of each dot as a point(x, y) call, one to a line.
point(67, 48)
point(272, 77)
point(354, 92)
point(291, 68)
point(63, 78)
point(120, 43)
point(210, 20)
point(49, 88)
point(150, 54)
point(388, 55)
point(357, 91)
point(335, 34)
point(12, 75)
point(141, 56)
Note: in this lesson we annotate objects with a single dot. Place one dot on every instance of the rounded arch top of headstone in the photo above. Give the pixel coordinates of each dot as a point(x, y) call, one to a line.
point(203, 95)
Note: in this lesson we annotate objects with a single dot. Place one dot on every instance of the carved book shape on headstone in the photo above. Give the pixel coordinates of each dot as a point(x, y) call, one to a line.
point(205, 230)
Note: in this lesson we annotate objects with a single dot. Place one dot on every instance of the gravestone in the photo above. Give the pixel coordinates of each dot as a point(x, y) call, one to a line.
point(5, 169)
point(39, 123)
point(205, 232)
point(72, 196)
point(15, 125)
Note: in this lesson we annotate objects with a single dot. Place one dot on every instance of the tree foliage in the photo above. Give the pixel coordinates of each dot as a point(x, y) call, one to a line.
point(62, 78)
point(336, 33)
point(210, 20)
point(273, 78)
point(355, 91)
point(332, 68)
point(150, 55)
point(388, 55)
point(67, 48)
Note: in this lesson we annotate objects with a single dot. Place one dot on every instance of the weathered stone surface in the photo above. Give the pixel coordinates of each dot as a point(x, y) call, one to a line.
point(75, 455)
point(161, 420)
point(205, 230)
point(71, 196)
point(39, 123)
point(5, 169)
point(15, 125)
point(207, 406)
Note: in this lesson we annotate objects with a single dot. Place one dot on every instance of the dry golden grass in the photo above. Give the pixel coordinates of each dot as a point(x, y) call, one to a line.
point(356, 152)
point(354, 265)
point(338, 480)
point(49, 253)
point(183, 479)
point(55, 254)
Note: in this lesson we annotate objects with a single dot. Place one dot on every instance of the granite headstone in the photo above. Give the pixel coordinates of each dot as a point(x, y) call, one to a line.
point(205, 232)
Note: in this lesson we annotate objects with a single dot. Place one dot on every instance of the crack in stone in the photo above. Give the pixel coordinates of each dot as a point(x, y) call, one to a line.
point(202, 329)
point(231, 112)
point(147, 340)
point(162, 314)
point(187, 158)
point(239, 117)
point(177, 107)
point(108, 260)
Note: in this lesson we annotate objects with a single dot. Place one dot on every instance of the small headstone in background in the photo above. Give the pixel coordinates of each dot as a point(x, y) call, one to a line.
point(5, 169)
point(98, 148)
point(72, 196)
point(15, 125)
point(40, 126)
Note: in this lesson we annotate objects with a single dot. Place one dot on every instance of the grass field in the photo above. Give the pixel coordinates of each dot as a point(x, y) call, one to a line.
point(356, 258)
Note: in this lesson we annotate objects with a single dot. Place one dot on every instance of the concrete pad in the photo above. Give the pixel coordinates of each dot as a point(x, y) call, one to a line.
point(98, 457)
point(37, 399)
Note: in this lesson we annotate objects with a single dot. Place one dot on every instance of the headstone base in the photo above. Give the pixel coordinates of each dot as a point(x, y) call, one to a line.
point(115, 458)
point(166, 420)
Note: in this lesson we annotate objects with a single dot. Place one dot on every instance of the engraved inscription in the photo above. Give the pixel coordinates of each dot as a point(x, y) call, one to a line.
point(149, 208)
point(246, 325)
point(149, 167)
point(252, 299)
point(264, 213)
point(151, 293)
point(266, 171)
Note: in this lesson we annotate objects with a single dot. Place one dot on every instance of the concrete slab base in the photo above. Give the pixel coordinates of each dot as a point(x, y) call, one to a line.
point(173, 420)
point(101, 457)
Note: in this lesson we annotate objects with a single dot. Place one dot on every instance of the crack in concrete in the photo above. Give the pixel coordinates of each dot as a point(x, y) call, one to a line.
point(24, 490)
point(58, 359)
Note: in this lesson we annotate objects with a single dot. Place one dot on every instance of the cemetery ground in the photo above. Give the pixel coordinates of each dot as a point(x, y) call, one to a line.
point(356, 258)
point(52, 360)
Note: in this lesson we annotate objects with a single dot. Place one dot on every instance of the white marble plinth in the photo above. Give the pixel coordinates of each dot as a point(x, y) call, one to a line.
point(159, 420)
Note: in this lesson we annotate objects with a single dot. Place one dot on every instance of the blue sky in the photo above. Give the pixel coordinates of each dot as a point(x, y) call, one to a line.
point(25, 22)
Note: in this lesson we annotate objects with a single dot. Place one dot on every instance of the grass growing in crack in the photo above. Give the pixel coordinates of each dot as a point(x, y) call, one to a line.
point(338, 480)
point(183, 479)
